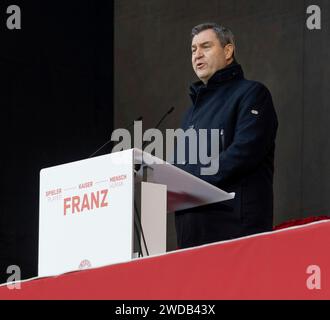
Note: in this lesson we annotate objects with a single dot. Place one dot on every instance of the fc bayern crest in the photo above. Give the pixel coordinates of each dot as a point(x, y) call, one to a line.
point(85, 264)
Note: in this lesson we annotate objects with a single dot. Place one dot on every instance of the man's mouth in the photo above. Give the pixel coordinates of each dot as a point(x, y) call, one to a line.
point(200, 65)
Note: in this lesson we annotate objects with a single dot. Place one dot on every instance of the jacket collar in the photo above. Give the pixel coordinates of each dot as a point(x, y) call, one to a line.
point(232, 71)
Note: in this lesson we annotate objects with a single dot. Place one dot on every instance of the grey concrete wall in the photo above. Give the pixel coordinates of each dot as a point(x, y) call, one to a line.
point(153, 72)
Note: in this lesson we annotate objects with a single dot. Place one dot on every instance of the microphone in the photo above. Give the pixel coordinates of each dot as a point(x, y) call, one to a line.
point(160, 122)
point(164, 116)
point(137, 167)
point(130, 125)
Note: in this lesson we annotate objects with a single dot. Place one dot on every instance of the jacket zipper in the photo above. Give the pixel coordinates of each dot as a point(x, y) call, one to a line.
point(222, 134)
point(194, 110)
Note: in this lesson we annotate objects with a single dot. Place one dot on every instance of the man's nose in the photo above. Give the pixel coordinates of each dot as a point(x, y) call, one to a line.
point(199, 54)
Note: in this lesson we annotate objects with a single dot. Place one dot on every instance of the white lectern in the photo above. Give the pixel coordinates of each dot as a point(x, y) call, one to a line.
point(86, 214)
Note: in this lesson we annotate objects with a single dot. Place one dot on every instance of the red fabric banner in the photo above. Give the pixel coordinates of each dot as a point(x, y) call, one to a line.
point(286, 264)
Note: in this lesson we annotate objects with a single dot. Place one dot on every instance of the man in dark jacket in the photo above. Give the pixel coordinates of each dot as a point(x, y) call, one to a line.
point(243, 112)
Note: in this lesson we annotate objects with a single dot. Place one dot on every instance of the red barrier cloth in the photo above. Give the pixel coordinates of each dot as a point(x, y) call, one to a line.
point(276, 265)
point(299, 222)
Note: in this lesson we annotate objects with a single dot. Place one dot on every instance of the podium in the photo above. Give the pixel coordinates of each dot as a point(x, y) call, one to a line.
point(91, 211)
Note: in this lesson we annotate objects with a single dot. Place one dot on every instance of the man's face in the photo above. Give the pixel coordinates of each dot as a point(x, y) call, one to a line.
point(208, 56)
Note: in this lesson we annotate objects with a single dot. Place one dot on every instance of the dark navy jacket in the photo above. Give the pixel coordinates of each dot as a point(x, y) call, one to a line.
point(243, 112)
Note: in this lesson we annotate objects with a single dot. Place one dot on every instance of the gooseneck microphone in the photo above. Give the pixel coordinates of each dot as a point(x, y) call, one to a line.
point(130, 125)
point(164, 116)
point(159, 123)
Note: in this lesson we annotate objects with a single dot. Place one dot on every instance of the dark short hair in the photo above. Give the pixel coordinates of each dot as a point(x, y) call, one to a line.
point(224, 34)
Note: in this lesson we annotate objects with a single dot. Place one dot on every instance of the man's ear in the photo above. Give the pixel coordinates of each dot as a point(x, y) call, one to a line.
point(229, 51)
